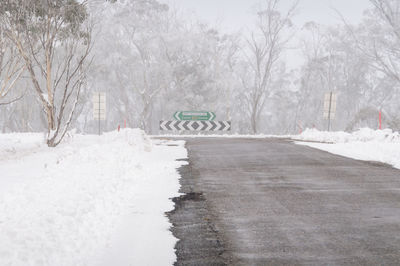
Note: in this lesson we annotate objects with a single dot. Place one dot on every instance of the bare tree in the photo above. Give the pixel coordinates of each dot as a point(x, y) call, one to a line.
point(378, 40)
point(386, 51)
point(333, 64)
point(54, 41)
point(265, 48)
point(378, 37)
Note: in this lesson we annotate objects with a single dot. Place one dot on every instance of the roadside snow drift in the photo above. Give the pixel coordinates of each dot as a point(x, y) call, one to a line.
point(365, 144)
point(91, 201)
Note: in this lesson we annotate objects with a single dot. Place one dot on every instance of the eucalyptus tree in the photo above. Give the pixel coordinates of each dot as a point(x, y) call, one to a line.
point(53, 37)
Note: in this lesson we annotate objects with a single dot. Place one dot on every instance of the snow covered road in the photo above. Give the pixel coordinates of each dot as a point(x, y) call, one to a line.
point(91, 201)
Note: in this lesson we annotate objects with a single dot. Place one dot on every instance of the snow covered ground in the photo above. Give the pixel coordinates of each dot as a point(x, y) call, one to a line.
point(365, 144)
point(91, 201)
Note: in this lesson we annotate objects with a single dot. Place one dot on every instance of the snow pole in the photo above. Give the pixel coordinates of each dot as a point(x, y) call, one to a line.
point(380, 119)
point(99, 114)
point(125, 123)
point(119, 128)
point(330, 110)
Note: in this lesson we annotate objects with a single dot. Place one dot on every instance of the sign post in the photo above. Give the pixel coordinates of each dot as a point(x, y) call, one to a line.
point(99, 107)
point(330, 107)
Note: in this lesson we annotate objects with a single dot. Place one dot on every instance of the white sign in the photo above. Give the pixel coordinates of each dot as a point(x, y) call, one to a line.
point(330, 105)
point(99, 106)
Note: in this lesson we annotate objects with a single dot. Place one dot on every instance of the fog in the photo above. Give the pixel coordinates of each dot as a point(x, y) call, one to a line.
point(266, 66)
point(234, 15)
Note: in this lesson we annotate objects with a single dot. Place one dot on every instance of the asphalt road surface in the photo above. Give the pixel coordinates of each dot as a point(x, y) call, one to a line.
point(271, 202)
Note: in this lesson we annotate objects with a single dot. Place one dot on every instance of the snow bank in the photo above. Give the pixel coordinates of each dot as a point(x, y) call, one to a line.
point(365, 144)
point(91, 201)
point(363, 135)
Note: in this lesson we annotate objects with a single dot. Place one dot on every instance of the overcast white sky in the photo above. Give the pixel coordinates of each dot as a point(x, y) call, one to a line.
point(234, 15)
point(239, 14)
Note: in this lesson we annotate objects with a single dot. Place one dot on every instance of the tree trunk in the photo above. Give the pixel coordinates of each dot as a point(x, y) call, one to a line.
point(254, 122)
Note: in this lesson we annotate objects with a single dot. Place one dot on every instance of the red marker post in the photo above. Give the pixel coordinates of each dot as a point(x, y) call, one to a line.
point(300, 128)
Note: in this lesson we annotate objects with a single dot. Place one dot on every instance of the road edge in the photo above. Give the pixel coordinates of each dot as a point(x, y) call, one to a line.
point(192, 224)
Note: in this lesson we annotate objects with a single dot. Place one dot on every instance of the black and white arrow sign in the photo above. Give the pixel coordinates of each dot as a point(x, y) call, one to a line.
point(196, 125)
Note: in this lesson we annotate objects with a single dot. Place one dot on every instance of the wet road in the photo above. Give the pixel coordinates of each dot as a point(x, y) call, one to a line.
point(271, 202)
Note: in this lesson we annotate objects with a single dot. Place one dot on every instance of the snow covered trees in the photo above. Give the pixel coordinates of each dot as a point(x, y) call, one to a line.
point(129, 62)
point(378, 38)
point(54, 41)
point(382, 37)
point(333, 64)
point(151, 62)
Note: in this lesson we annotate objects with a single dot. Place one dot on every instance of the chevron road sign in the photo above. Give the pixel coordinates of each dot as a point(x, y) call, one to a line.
point(194, 116)
point(196, 125)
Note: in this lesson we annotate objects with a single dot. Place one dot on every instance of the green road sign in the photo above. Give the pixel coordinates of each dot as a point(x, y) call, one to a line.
point(194, 116)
